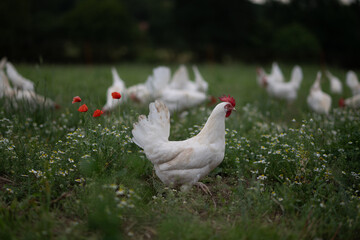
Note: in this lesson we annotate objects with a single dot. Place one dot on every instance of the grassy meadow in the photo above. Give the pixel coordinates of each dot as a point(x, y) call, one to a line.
point(287, 173)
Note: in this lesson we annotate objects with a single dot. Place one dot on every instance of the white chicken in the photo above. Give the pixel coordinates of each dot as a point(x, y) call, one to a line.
point(179, 94)
point(185, 162)
point(118, 86)
point(150, 90)
point(33, 100)
point(352, 102)
point(285, 90)
point(24, 93)
point(159, 81)
point(179, 100)
point(182, 81)
point(317, 100)
point(335, 83)
point(17, 80)
point(353, 82)
point(139, 93)
point(174, 99)
point(275, 75)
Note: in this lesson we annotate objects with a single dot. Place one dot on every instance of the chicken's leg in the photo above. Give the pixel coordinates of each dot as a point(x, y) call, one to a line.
point(203, 187)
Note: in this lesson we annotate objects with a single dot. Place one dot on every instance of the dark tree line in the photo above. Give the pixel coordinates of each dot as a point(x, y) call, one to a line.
point(179, 30)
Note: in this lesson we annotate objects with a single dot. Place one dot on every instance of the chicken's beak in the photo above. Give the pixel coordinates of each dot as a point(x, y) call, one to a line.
point(234, 109)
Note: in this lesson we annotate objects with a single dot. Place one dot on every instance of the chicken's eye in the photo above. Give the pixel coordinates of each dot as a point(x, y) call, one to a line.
point(228, 107)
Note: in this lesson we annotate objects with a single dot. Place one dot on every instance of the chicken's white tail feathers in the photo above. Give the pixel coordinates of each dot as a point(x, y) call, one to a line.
point(161, 76)
point(296, 76)
point(352, 80)
point(180, 78)
point(154, 128)
point(160, 79)
point(116, 78)
point(199, 80)
point(276, 72)
point(18, 80)
point(11, 70)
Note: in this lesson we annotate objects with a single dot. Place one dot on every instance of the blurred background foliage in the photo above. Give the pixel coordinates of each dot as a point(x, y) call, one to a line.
point(98, 31)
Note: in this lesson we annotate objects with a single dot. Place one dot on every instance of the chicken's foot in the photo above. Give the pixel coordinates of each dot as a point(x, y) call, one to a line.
point(203, 187)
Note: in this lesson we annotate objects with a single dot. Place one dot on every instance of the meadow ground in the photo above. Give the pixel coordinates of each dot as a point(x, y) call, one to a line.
point(287, 173)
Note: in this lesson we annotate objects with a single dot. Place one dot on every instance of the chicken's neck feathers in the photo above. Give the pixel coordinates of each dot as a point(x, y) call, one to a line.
point(214, 129)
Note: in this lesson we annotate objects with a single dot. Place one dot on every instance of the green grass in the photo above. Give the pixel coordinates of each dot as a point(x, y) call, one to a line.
point(287, 173)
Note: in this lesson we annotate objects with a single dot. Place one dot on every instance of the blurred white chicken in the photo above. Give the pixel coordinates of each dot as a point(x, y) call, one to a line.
point(7, 94)
point(17, 80)
point(34, 100)
point(5, 89)
point(179, 100)
point(140, 93)
point(181, 80)
point(335, 83)
point(317, 100)
point(159, 81)
point(178, 93)
point(150, 90)
point(185, 162)
point(353, 82)
point(29, 98)
point(285, 90)
point(352, 102)
point(118, 86)
point(174, 99)
point(275, 75)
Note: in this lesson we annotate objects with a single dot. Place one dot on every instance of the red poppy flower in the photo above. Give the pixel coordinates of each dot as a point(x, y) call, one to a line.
point(97, 113)
point(76, 99)
point(83, 108)
point(116, 95)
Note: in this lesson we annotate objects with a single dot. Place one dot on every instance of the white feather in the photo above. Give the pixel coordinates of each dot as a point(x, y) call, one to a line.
point(17, 80)
point(5, 89)
point(202, 85)
point(181, 80)
point(179, 100)
point(158, 81)
point(34, 100)
point(276, 73)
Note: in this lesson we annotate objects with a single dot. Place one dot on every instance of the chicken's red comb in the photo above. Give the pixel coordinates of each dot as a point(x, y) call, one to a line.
point(228, 99)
